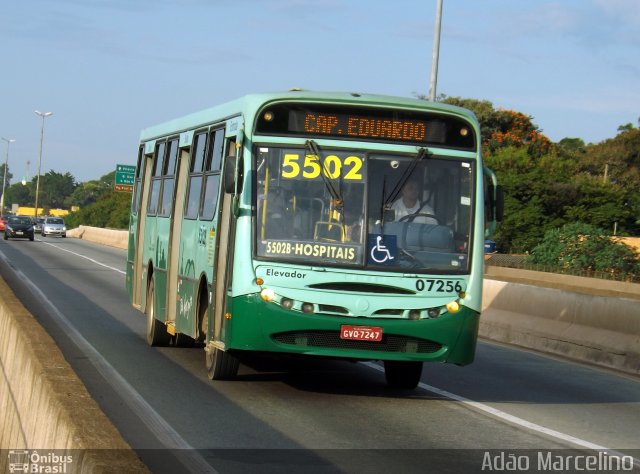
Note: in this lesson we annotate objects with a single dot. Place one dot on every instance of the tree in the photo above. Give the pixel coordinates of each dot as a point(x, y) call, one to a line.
point(9, 176)
point(20, 194)
point(618, 157)
point(111, 210)
point(500, 128)
point(572, 145)
point(55, 188)
point(91, 191)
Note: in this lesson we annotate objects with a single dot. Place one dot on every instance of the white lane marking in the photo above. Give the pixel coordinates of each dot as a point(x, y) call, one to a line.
point(511, 418)
point(85, 257)
point(161, 429)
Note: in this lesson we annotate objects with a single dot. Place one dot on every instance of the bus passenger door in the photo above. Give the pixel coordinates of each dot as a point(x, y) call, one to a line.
point(138, 266)
point(224, 252)
point(182, 173)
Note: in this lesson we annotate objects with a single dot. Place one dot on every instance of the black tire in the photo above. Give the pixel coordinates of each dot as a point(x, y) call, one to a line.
point(202, 331)
point(220, 364)
point(32, 238)
point(43, 234)
point(402, 375)
point(157, 334)
point(5, 237)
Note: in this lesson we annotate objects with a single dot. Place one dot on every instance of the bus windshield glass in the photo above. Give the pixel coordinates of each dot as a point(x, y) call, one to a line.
point(408, 213)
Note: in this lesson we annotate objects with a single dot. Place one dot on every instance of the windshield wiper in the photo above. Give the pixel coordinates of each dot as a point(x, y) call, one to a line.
point(386, 203)
point(336, 197)
point(422, 152)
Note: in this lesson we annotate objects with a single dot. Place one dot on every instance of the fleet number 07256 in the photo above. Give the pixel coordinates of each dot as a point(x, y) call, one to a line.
point(439, 286)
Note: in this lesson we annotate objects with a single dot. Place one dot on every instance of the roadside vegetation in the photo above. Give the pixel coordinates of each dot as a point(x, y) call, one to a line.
point(564, 201)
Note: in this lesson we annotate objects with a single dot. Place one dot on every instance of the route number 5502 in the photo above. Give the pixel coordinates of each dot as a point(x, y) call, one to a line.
point(349, 168)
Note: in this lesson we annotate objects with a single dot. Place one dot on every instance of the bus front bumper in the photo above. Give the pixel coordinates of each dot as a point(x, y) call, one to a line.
point(256, 325)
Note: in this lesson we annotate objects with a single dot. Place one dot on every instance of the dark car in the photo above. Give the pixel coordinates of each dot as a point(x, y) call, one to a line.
point(19, 227)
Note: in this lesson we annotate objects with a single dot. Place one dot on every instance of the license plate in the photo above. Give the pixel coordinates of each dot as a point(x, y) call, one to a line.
point(18, 232)
point(361, 333)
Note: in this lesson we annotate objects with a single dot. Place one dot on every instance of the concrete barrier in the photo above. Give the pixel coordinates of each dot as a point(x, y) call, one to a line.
point(585, 319)
point(110, 237)
point(43, 404)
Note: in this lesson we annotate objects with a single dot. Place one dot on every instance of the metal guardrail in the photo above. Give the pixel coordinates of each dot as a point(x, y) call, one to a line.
point(519, 261)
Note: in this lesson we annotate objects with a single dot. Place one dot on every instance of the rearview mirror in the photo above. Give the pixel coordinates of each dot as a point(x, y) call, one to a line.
point(230, 174)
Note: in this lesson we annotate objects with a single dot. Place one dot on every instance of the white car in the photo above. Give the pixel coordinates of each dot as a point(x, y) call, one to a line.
point(54, 226)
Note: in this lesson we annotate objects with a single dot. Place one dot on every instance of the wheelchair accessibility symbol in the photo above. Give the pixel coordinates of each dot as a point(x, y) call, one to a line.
point(383, 249)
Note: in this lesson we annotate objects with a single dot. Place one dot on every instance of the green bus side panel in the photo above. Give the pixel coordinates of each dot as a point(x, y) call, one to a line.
point(186, 306)
point(163, 226)
point(254, 324)
point(160, 294)
point(131, 254)
point(129, 280)
point(195, 253)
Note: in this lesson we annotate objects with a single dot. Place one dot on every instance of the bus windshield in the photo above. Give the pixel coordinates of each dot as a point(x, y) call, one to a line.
point(382, 211)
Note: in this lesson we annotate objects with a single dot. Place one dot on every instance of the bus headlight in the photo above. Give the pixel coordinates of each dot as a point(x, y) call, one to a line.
point(307, 308)
point(414, 314)
point(287, 303)
point(267, 294)
point(453, 307)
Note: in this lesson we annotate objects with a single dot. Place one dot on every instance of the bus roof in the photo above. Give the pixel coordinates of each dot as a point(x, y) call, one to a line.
point(250, 103)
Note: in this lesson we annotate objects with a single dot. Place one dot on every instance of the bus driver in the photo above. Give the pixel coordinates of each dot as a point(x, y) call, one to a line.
point(410, 204)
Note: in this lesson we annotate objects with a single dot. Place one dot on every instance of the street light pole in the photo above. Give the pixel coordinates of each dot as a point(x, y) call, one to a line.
point(436, 52)
point(44, 115)
point(4, 181)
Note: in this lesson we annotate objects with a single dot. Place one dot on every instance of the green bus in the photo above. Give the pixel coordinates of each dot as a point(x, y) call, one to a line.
point(341, 225)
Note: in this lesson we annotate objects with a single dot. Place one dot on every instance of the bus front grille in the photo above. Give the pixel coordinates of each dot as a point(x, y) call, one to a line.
point(332, 340)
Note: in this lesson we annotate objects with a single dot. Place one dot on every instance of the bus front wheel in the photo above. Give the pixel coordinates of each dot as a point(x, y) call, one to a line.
point(402, 375)
point(220, 364)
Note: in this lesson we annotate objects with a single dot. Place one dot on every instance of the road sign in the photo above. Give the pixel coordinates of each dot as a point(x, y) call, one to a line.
point(123, 188)
point(126, 169)
point(125, 178)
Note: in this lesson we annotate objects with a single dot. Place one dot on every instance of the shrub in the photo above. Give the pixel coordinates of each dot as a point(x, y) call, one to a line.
point(583, 247)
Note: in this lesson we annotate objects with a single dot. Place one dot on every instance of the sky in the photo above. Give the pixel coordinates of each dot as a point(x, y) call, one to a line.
point(109, 68)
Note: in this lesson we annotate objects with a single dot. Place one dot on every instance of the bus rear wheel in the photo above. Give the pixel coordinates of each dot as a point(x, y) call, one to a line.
point(157, 334)
point(402, 375)
point(220, 364)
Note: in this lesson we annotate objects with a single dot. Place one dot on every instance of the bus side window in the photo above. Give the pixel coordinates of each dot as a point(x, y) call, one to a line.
point(212, 175)
point(168, 179)
point(198, 150)
point(156, 181)
point(210, 196)
point(137, 190)
point(215, 155)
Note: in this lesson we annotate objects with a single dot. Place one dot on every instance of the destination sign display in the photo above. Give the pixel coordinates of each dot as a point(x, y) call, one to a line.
point(367, 124)
point(332, 252)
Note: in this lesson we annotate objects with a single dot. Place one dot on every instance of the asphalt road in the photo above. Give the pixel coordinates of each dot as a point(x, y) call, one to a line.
point(314, 415)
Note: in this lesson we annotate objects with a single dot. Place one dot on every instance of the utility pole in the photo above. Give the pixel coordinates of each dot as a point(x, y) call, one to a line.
point(436, 52)
point(6, 163)
point(44, 115)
